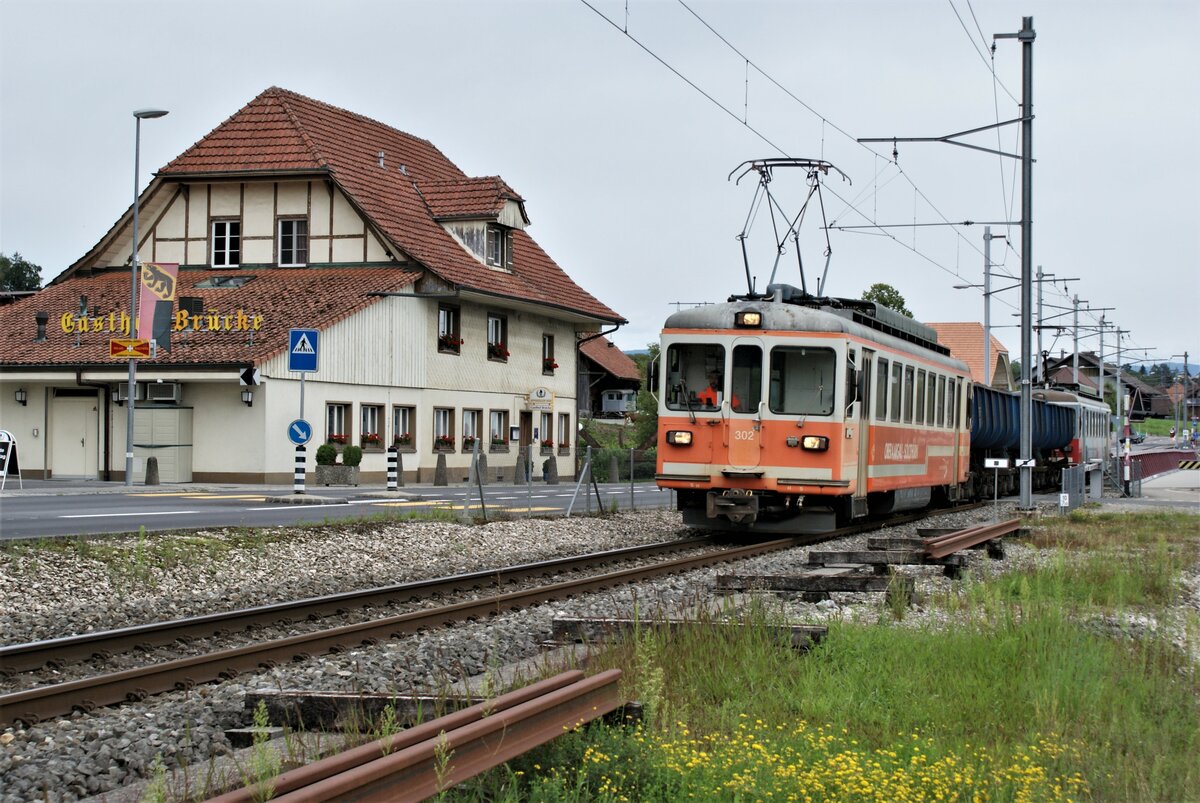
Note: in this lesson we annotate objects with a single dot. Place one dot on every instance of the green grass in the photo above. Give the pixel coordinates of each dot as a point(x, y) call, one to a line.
point(1030, 695)
point(1157, 426)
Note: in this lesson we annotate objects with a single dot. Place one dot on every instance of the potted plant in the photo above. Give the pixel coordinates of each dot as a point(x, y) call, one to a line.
point(450, 342)
point(330, 472)
point(336, 438)
point(371, 440)
point(564, 448)
point(443, 443)
point(499, 444)
point(402, 441)
point(548, 365)
point(497, 351)
point(547, 445)
point(468, 442)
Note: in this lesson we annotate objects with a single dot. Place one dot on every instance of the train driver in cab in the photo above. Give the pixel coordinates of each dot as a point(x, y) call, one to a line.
point(711, 395)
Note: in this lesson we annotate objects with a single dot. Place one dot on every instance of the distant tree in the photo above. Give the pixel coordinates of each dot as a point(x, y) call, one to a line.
point(646, 426)
point(1014, 370)
point(17, 273)
point(1142, 369)
point(888, 296)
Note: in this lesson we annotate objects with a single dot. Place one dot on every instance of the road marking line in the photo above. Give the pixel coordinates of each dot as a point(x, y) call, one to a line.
point(224, 496)
point(163, 493)
point(131, 513)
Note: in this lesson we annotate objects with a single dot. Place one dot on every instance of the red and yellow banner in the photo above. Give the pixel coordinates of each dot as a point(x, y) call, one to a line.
point(158, 281)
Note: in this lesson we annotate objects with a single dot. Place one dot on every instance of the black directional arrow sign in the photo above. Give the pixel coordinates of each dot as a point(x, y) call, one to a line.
point(249, 376)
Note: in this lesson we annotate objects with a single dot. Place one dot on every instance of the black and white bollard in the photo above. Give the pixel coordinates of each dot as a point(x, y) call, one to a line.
point(391, 474)
point(298, 483)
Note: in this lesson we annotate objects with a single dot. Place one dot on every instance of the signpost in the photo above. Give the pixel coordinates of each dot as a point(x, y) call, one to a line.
point(303, 350)
point(249, 376)
point(996, 463)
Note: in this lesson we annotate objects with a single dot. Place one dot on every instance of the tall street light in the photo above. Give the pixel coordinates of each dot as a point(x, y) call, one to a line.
point(139, 115)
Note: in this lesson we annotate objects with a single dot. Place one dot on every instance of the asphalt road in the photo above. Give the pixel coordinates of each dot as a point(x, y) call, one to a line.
point(67, 513)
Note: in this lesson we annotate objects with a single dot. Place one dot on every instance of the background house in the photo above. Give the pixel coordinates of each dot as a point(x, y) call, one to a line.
point(608, 379)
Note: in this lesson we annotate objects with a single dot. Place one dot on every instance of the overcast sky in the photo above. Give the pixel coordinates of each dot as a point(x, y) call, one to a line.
point(624, 166)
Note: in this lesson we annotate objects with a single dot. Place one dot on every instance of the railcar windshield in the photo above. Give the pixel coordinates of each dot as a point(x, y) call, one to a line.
point(695, 376)
point(803, 380)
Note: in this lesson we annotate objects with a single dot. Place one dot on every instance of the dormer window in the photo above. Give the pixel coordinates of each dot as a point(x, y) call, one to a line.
point(499, 246)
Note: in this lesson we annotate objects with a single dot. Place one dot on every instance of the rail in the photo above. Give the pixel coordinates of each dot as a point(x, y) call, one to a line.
point(944, 545)
point(405, 766)
point(61, 651)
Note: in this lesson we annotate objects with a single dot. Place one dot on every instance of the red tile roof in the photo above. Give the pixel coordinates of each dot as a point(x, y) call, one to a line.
point(604, 353)
point(467, 198)
point(965, 341)
point(286, 298)
point(283, 131)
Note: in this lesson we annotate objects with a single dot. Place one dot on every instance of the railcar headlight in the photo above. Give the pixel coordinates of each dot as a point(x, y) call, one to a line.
point(747, 318)
point(679, 437)
point(815, 443)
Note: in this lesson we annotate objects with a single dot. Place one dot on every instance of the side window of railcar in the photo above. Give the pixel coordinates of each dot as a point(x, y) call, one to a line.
point(803, 380)
point(897, 372)
point(908, 394)
point(950, 406)
point(689, 369)
point(941, 401)
point(930, 399)
point(919, 407)
point(881, 390)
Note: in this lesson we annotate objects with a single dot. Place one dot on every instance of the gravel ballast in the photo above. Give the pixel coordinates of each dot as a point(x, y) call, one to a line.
point(51, 594)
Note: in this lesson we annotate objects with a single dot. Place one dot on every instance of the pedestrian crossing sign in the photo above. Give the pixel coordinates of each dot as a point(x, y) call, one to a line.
point(303, 346)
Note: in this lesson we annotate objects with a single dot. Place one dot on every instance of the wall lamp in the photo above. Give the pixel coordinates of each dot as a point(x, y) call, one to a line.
point(248, 397)
point(21, 396)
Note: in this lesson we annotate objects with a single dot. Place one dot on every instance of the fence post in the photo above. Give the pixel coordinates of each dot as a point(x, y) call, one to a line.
point(584, 473)
point(391, 470)
point(632, 506)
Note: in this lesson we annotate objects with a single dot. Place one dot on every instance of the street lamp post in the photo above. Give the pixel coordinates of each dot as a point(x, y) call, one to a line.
point(139, 115)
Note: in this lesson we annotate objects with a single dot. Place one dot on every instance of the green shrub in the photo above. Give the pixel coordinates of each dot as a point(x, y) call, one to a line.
point(352, 455)
point(326, 454)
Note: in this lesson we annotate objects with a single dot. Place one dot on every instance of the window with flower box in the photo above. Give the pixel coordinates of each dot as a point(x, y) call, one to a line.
point(370, 417)
point(546, 431)
point(548, 363)
point(497, 337)
point(449, 339)
point(564, 431)
point(471, 420)
point(498, 430)
point(336, 416)
point(403, 431)
point(443, 429)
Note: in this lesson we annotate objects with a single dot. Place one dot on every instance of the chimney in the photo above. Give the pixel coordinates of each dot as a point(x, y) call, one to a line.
point(381, 155)
point(41, 318)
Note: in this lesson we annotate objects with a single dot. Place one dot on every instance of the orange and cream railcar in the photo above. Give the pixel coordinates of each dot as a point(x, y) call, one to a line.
point(788, 413)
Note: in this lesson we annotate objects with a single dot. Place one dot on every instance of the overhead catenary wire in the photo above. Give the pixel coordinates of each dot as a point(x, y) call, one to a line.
point(826, 121)
point(851, 205)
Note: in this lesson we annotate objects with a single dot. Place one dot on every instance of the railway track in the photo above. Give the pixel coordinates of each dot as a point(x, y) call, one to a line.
point(45, 702)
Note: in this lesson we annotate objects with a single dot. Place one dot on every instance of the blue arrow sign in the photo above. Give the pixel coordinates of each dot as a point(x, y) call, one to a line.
point(299, 432)
point(303, 345)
